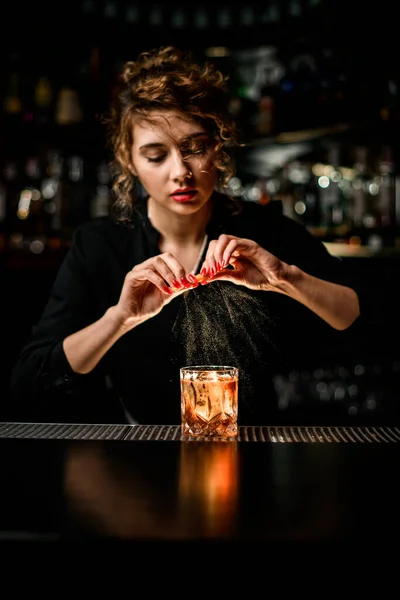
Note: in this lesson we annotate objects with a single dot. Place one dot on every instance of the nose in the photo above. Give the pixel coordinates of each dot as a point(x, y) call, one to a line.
point(180, 168)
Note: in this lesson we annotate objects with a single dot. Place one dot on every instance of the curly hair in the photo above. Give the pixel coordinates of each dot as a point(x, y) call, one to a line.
point(167, 78)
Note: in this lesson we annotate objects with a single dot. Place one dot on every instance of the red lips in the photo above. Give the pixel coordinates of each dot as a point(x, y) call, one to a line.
point(183, 191)
point(184, 194)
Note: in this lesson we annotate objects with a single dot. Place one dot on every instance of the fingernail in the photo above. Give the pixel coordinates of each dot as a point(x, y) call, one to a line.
point(192, 278)
point(203, 272)
point(176, 284)
point(167, 290)
point(185, 282)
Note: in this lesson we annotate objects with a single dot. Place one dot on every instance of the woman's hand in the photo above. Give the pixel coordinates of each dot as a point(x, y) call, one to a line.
point(253, 266)
point(149, 286)
point(146, 289)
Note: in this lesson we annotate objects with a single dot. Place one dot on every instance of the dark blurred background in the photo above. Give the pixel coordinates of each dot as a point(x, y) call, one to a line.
point(314, 86)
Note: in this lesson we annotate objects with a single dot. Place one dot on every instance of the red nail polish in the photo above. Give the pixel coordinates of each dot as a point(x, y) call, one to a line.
point(185, 282)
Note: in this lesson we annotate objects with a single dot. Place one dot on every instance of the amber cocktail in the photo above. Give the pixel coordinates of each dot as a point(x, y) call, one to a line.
point(209, 402)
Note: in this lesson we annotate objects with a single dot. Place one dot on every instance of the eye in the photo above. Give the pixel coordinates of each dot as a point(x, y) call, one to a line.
point(199, 147)
point(156, 159)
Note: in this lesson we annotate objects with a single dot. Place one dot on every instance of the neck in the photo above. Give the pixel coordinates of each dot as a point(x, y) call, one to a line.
point(179, 229)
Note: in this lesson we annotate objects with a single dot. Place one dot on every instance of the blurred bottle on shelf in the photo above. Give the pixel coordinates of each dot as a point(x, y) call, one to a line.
point(12, 96)
point(12, 105)
point(333, 206)
point(101, 200)
point(43, 102)
point(389, 109)
point(9, 189)
point(387, 188)
point(51, 188)
point(266, 123)
point(25, 203)
point(397, 194)
point(360, 190)
point(68, 109)
point(3, 215)
point(76, 190)
point(255, 74)
point(299, 194)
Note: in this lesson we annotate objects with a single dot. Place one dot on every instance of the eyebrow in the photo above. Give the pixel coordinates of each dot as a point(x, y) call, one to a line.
point(161, 145)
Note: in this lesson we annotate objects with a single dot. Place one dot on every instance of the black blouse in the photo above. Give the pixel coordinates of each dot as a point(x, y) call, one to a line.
point(263, 333)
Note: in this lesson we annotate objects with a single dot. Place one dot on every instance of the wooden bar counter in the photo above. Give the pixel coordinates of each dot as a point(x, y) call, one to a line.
point(145, 484)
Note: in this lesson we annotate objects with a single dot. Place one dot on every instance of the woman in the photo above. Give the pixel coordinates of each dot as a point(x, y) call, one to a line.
point(180, 276)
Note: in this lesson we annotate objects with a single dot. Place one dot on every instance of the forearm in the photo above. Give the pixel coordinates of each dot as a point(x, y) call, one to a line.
point(85, 348)
point(336, 304)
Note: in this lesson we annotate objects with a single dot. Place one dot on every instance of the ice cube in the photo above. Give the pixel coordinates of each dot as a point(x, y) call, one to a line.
point(206, 376)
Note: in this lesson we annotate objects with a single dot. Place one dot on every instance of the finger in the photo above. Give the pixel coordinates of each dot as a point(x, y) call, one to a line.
point(151, 276)
point(220, 248)
point(175, 275)
point(208, 267)
point(225, 275)
point(203, 279)
point(192, 280)
point(228, 251)
point(170, 269)
point(219, 253)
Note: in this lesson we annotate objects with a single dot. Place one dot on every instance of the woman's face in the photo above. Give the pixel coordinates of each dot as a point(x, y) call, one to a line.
point(174, 159)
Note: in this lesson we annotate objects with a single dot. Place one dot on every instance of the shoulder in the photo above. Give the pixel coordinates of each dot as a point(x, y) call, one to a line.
point(100, 241)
